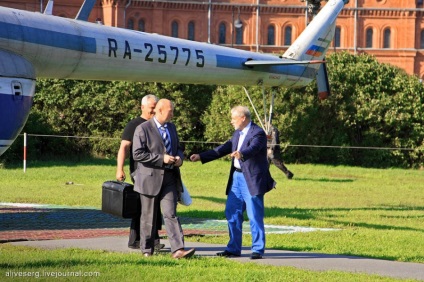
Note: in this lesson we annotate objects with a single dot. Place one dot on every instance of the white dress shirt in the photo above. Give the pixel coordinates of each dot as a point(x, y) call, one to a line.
point(240, 142)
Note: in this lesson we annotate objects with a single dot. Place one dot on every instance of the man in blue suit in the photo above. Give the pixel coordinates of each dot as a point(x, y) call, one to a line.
point(248, 182)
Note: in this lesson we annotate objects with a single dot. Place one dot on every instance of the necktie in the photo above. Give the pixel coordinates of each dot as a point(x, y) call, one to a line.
point(165, 139)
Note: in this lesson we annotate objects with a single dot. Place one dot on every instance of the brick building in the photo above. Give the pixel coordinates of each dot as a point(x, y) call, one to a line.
point(392, 31)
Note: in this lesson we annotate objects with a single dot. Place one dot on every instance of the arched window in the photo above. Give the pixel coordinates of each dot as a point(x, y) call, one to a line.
point(130, 24)
point(239, 35)
point(174, 29)
point(368, 38)
point(190, 31)
point(387, 38)
point(141, 25)
point(288, 35)
point(422, 39)
point(222, 33)
point(337, 34)
point(271, 35)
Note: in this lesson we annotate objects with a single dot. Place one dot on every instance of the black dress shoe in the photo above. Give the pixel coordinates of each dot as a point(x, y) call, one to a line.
point(226, 254)
point(135, 245)
point(159, 247)
point(255, 256)
point(289, 175)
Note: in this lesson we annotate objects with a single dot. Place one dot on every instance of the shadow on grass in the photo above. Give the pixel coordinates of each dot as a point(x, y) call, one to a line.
point(58, 219)
point(35, 219)
point(15, 219)
point(337, 180)
point(314, 214)
point(83, 258)
point(325, 214)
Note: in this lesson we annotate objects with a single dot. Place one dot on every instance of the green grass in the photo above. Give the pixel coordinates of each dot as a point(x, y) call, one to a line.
point(109, 266)
point(380, 214)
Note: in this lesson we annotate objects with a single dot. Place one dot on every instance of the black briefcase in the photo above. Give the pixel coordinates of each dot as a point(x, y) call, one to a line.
point(120, 199)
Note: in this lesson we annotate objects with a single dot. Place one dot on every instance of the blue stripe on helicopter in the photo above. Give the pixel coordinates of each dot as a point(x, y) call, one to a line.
point(232, 62)
point(48, 38)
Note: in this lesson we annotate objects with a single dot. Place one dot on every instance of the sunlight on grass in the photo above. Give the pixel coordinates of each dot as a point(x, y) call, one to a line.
point(380, 211)
point(105, 266)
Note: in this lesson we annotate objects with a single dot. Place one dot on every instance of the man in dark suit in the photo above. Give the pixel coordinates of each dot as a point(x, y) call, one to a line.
point(157, 178)
point(148, 104)
point(248, 182)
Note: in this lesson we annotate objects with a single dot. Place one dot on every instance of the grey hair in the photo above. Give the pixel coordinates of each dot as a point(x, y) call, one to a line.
point(241, 111)
point(147, 98)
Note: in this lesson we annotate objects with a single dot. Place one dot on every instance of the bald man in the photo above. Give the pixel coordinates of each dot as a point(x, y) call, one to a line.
point(157, 151)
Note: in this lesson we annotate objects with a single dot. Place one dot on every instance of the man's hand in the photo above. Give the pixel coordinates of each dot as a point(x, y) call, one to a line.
point(237, 154)
point(120, 175)
point(195, 157)
point(168, 159)
point(171, 160)
point(178, 161)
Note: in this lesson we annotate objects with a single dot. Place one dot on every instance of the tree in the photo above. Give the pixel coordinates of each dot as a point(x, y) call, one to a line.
point(372, 105)
point(102, 109)
point(379, 105)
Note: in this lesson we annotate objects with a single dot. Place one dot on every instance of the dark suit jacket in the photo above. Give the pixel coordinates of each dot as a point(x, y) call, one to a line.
point(254, 164)
point(149, 151)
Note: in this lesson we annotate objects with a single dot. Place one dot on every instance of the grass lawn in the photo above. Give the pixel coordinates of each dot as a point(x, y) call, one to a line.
point(380, 214)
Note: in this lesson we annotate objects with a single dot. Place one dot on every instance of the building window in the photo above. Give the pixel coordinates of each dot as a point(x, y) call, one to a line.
point(288, 35)
point(190, 31)
point(141, 25)
point(422, 39)
point(222, 33)
point(130, 24)
point(337, 34)
point(368, 39)
point(174, 29)
point(387, 38)
point(239, 35)
point(271, 35)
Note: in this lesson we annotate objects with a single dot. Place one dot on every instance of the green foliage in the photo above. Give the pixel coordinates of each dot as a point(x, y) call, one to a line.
point(378, 105)
point(217, 117)
point(101, 109)
point(372, 105)
point(190, 103)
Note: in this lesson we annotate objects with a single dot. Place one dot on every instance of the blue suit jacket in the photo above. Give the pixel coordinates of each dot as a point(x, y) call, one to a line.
point(254, 164)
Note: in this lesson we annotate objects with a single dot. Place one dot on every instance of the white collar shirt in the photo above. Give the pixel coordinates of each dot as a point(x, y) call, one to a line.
point(240, 142)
